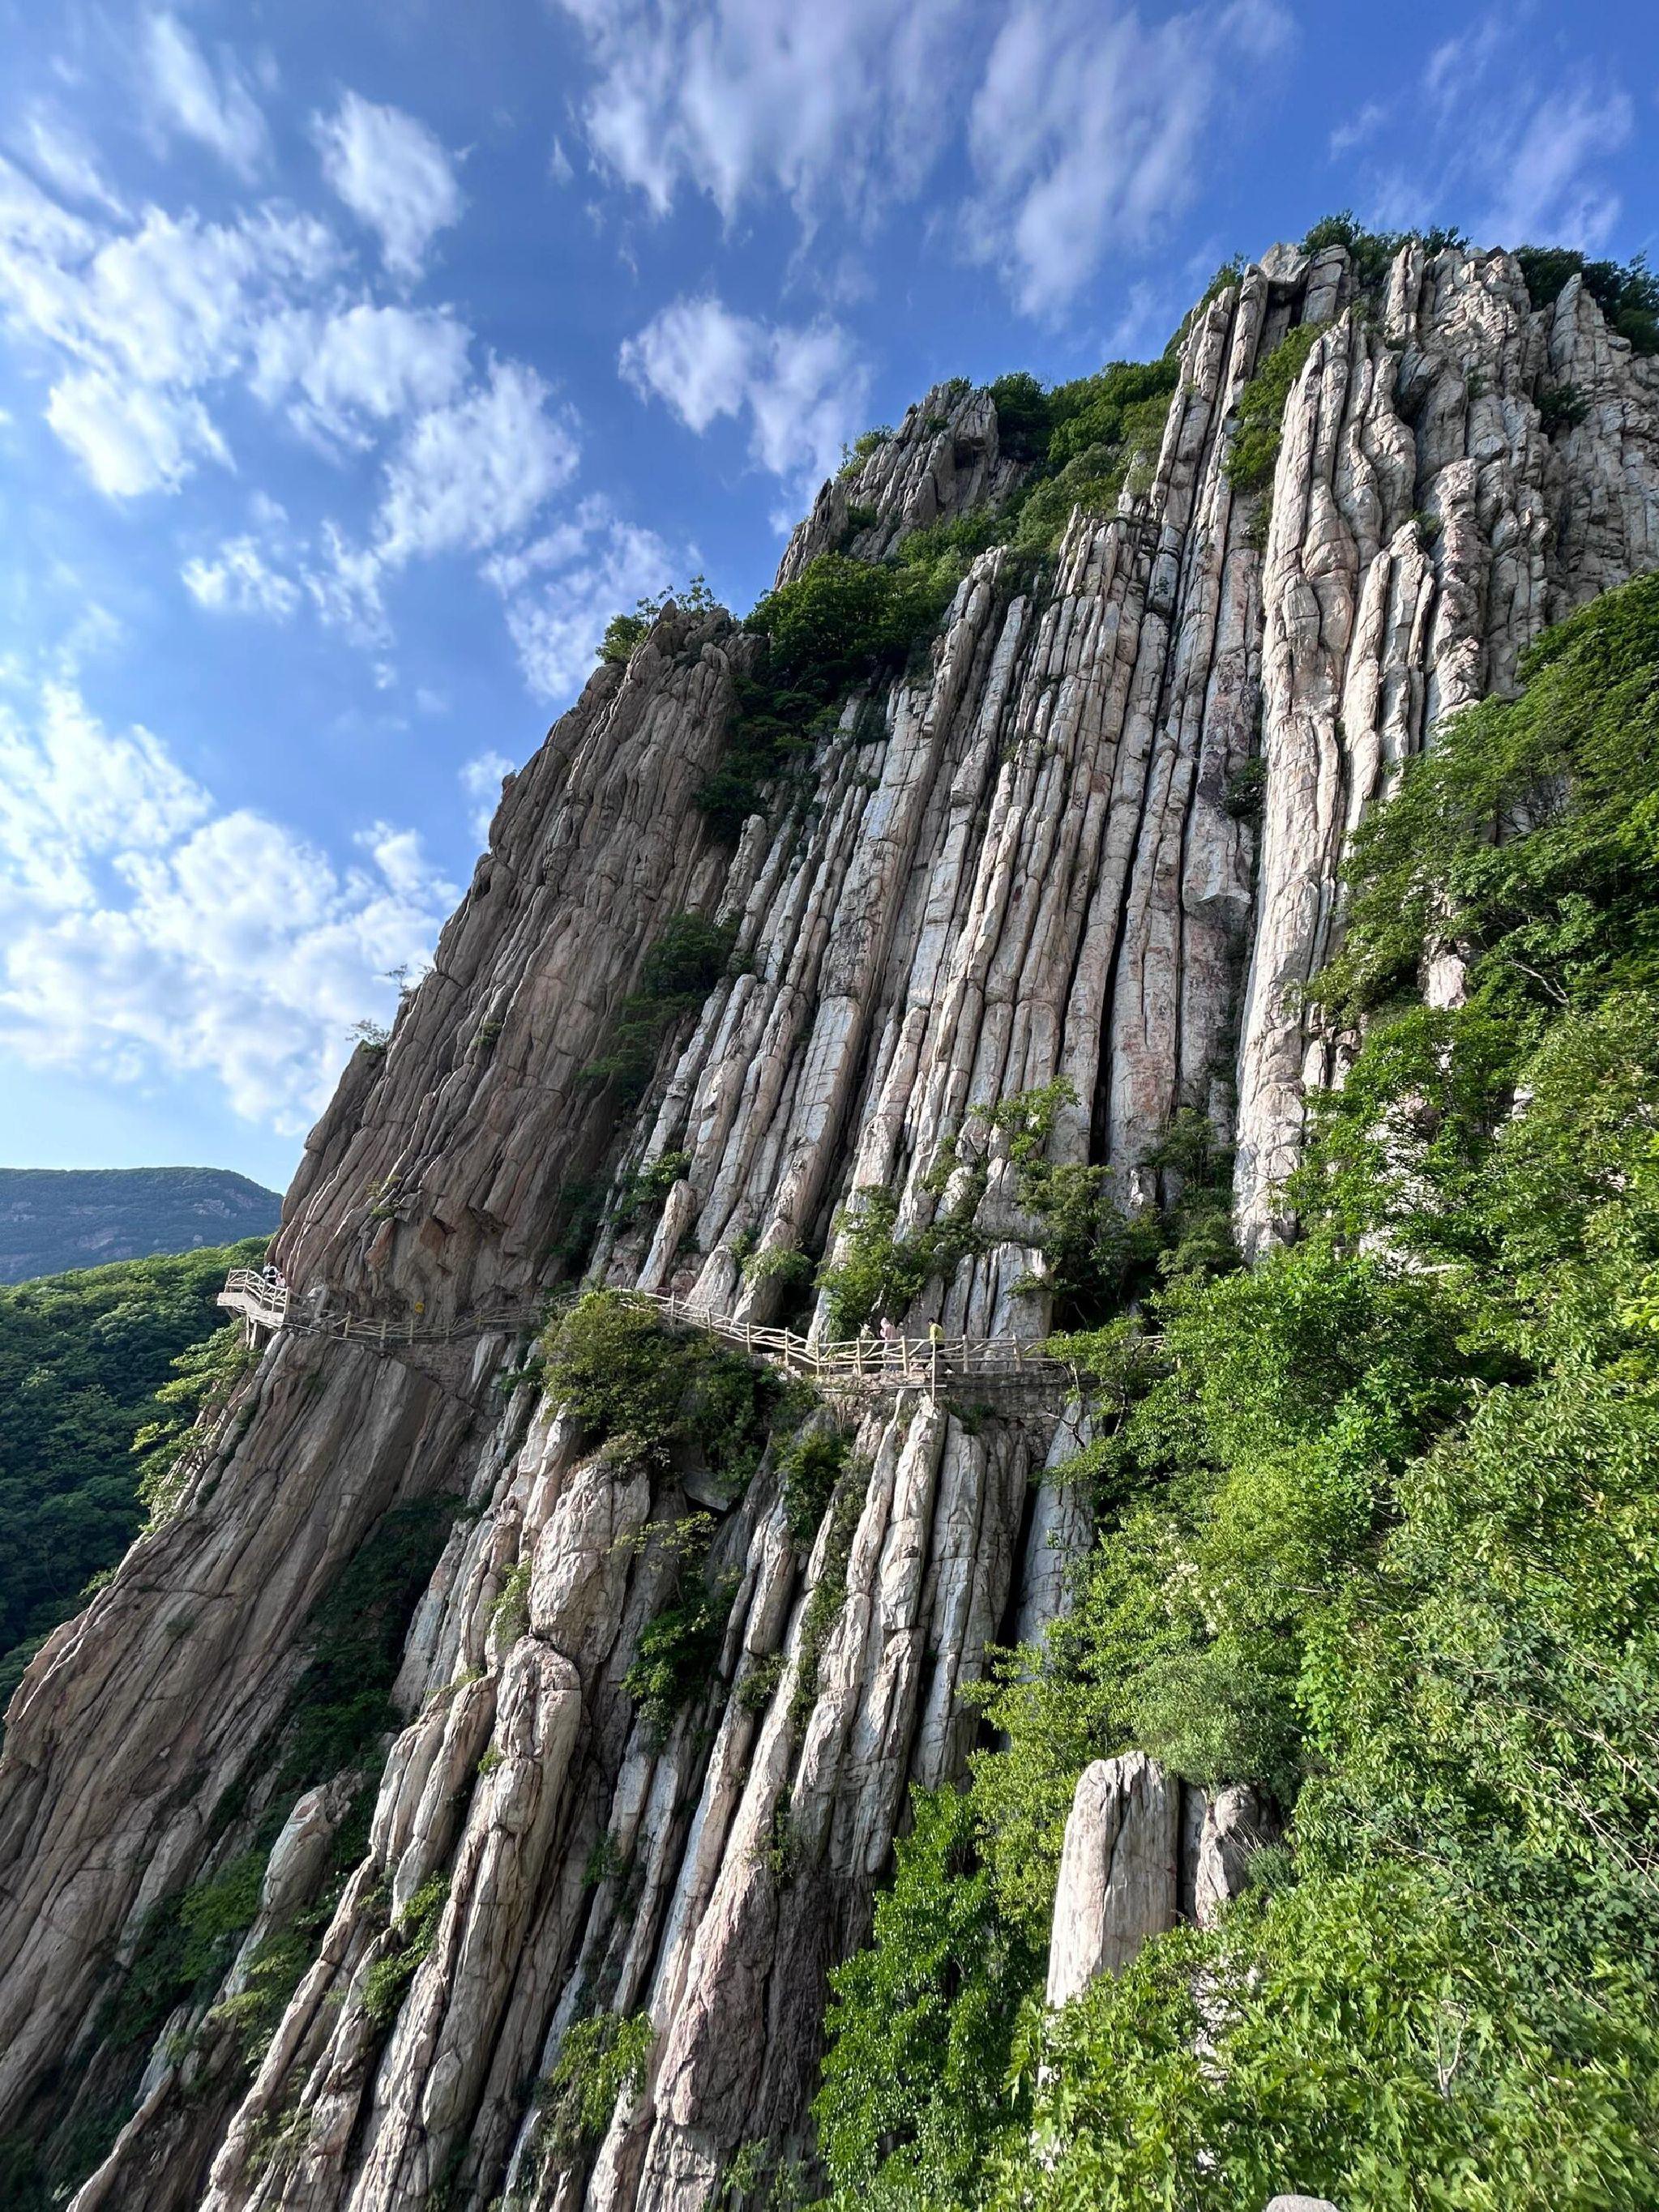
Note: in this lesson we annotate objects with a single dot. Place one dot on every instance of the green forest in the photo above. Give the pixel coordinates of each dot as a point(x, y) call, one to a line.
point(1378, 1530)
point(92, 1365)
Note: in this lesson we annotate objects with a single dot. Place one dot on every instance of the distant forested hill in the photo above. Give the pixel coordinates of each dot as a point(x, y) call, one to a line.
point(52, 1218)
point(81, 1358)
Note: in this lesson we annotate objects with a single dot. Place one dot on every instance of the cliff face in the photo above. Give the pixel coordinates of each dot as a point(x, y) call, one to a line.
point(1028, 863)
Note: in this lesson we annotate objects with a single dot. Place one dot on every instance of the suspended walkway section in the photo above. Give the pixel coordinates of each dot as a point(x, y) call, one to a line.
point(989, 1367)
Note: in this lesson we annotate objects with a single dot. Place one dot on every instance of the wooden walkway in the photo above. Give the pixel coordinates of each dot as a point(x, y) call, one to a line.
point(996, 1366)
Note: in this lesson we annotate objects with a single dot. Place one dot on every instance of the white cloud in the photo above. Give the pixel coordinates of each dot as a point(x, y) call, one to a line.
point(149, 931)
point(62, 157)
point(69, 791)
point(393, 175)
point(563, 589)
point(239, 581)
point(1540, 168)
point(1086, 123)
point(362, 361)
point(138, 320)
point(843, 106)
point(1088, 129)
point(1359, 130)
point(129, 439)
point(215, 108)
point(481, 779)
point(469, 474)
point(802, 387)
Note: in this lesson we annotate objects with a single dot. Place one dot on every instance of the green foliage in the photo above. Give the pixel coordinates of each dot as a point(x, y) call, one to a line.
point(679, 1650)
point(1565, 909)
point(759, 1687)
point(881, 1273)
point(413, 1934)
point(1378, 1532)
point(276, 1970)
point(1262, 411)
point(1081, 440)
point(624, 633)
point(690, 956)
point(919, 2025)
point(663, 1392)
point(204, 1377)
point(1561, 407)
point(509, 1616)
point(1358, 2037)
point(824, 1606)
point(1372, 251)
point(839, 623)
point(601, 2058)
point(867, 443)
point(809, 1466)
point(88, 1369)
point(183, 1949)
point(1627, 293)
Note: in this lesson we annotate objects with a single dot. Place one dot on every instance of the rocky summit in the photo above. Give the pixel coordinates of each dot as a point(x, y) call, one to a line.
point(463, 1795)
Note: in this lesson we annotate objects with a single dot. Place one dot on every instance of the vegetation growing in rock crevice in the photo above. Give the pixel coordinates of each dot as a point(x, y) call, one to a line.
point(690, 956)
point(1378, 1526)
point(413, 1934)
point(601, 2058)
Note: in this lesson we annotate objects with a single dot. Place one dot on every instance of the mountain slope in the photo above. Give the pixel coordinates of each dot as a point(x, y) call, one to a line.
point(82, 1357)
point(53, 1219)
point(921, 950)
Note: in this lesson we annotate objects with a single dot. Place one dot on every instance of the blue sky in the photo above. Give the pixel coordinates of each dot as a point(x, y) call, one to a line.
point(357, 362)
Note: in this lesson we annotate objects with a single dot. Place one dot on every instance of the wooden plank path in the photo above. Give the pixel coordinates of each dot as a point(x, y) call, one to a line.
point(858, 1364)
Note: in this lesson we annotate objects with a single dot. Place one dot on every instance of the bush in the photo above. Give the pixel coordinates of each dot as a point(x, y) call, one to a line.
point(1261, 405)
point(1561, 407)
point(1627, 293)
point(665, 1392)
point(880, 1275)
point(1372, 251)
point(679, 1651)
point(809, 1466)
point(839, 623)
point(601, 2059)
point(414, 1932)
point(690, 957)
point(624, 633)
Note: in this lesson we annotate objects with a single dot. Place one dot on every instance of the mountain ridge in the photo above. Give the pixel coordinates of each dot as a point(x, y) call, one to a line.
point(996, 997)
point(54, 1220)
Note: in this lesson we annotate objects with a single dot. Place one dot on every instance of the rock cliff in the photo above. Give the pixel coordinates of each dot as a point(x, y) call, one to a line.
point(1040, 859)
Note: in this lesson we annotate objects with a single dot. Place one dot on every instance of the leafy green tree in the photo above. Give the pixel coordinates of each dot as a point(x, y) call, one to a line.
point(88, 1369)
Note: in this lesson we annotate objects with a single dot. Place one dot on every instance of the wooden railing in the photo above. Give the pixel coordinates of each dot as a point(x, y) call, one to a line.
point(867, 1362)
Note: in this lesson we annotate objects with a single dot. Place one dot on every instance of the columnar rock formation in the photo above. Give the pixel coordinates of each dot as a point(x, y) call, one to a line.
point(1029, 862)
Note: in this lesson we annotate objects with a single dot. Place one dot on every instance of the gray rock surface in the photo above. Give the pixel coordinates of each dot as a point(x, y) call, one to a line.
point(1025, 863)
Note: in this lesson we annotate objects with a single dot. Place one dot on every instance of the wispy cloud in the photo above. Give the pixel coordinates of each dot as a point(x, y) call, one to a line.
point(801, 388)
point(149, 931)
point(1086, 122)
point(393, 175)
point(191, 97)
point(1513, 155)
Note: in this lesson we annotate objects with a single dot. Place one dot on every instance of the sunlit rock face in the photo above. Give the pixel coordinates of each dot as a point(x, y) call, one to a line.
point(1026, 861)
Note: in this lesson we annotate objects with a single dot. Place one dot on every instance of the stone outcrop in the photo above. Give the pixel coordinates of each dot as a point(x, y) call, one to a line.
point(1035, 861)
point(1143, 1851)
